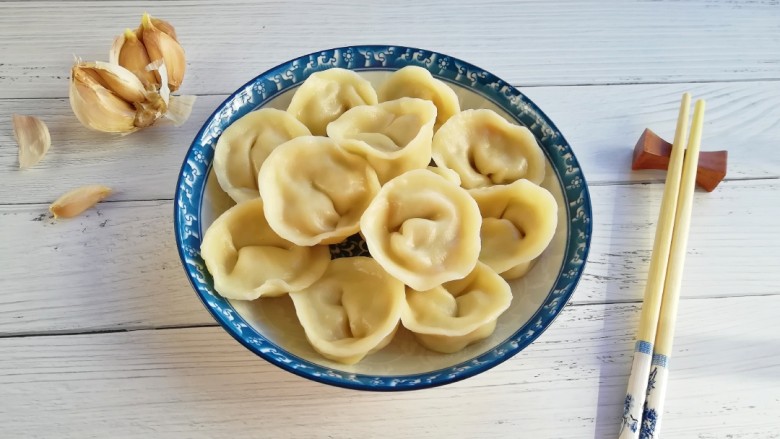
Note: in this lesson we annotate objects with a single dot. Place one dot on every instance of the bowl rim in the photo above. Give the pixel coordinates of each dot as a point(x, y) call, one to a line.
point(384, 57)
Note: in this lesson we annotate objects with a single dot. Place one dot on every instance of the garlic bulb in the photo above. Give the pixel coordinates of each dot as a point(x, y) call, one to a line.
point(109, 98)
point(133, 90)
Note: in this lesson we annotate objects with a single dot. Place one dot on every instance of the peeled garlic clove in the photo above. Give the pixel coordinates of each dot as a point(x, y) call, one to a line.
point(129, 52)
point(117, 79)
point(98, 108)
point(75, 202)
point(160, 45)
point(33, 138)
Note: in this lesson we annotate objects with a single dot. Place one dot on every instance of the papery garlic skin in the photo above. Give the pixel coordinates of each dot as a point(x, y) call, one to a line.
point(32, 136)
point(179, 109)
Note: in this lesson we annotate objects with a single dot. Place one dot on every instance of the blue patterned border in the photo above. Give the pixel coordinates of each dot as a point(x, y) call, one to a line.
point(644, 347)
point(660, 360)
point(192, 178)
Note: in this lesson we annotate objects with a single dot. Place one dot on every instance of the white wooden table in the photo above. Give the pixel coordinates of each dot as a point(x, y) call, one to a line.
point(101, 335)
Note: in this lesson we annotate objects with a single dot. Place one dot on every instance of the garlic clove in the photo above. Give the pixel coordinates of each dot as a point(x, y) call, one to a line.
point(160, 45)
point(33, 138)
point(98, 108)
point(93, 74)
point(129, 52)
point(161, 24)
point(76, 201)
point(117, 79)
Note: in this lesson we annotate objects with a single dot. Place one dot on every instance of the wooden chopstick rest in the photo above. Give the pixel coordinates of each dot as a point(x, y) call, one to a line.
point(652, 152)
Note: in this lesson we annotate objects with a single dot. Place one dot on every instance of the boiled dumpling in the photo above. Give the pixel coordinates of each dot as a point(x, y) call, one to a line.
point(352, 310)
point(314, 191)
point(416, 82)
point(245, 144)
point(394, 136)
point(248, 260)
point(326, 95)
point(423, 229)
point(518, 223)
point(449, 317)
point(485, 149)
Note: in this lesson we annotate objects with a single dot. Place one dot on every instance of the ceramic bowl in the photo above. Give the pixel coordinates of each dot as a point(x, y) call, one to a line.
point(269, 327)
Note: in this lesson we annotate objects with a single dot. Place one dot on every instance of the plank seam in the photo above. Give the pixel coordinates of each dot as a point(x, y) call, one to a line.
point(595, 184)
point(215, 325)
point(519, 86)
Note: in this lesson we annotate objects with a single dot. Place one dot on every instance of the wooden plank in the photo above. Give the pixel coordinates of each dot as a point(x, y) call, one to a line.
point(200, 383)
point(602, 123)
point(117, 267)
point(730, 228)
point(140, 166)
point(528, 43)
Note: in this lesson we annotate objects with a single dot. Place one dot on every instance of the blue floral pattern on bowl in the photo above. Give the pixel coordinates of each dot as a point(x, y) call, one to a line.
point(263, 88)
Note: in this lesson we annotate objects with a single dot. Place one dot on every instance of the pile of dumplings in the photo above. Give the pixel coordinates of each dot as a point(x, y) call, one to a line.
point(345, 159)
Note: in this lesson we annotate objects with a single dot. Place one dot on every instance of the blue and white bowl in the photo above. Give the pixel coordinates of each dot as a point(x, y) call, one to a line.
point(269, 327)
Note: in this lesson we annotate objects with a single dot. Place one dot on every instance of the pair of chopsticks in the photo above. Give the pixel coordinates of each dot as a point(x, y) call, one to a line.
point(643, 404)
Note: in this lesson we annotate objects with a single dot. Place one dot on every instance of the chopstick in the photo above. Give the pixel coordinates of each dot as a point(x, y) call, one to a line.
point(640, 368)
point(659, 375)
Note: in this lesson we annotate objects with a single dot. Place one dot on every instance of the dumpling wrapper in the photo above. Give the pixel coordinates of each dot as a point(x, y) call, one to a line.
point(518, 223)
point(394, 136)
point(451, 316)
point(417, 82)
point(326, 95)
point(448, 174)
point(246, 143)
point(518, 270)
point(248, 260)
point(485, 149)
point(352, 310)
point(314, 191)
point(423, 229)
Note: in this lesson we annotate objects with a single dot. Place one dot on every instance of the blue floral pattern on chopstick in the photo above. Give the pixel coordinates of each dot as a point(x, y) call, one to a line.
point(649, 415)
